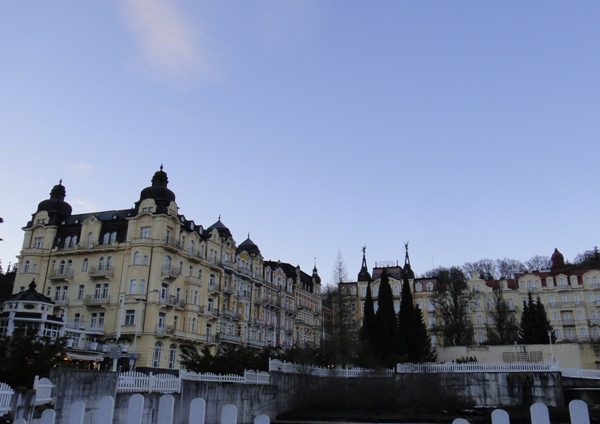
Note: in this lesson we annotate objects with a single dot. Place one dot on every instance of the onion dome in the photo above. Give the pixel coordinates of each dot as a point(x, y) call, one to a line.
point(221, 228)
point(249, 246)
point(56, 206)
point(557, 259)
point(158, 191)
point(364, 275)
point(315, 274)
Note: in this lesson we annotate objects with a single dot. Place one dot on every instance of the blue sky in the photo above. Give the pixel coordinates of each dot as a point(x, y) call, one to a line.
point(469, 129)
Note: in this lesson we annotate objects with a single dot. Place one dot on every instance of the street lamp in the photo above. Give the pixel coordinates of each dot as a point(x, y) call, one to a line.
point(551, 350)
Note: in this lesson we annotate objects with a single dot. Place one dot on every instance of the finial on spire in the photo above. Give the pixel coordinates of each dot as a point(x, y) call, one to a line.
point(161, 167)
point(60, 182)
point(219, 217)
point(248, 235)
point(406, 258)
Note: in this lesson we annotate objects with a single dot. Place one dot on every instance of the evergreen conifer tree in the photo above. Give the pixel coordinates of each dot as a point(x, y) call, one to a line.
point(527, 329)
point(542, 324)
point(367, 331)
point(408, 326)
point(427, 351)
point(387, 341)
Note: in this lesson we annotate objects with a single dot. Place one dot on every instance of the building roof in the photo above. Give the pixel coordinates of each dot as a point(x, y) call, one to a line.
point(30, 295)
point(249, 246)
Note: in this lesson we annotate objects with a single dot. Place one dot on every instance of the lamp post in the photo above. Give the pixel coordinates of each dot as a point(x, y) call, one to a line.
point(551, 350)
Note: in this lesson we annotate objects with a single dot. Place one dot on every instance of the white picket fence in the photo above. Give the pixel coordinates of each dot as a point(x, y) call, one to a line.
point(292, 368)
point(6, 393)
point(578, 411)
point(133, 381)
point(43, 390)
point(249, 377)
point(408, 368)
point(105, 409)
point(580, 373)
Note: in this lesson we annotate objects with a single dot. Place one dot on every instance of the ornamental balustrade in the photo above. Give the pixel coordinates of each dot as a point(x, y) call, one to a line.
point(477, 367)
point(6, 393)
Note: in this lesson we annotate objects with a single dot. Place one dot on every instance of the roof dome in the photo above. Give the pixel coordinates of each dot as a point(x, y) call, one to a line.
point(221, 228)
point(158, 191)
point(56, 206)
point(249, 246)
point(315, 275)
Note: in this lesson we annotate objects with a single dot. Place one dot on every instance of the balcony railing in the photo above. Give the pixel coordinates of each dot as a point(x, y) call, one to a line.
point(75, 325)
point(101, 271)
point(229, 338)
point(227, 288)
point(228, 264)
point(171, 242)
point(245, 271)
point(171, 300)
point(171, 272)
point(164, 329)
point(62, 301)
point(96, 300)
point(243, 294)
point(60, 274)
point(192, 280)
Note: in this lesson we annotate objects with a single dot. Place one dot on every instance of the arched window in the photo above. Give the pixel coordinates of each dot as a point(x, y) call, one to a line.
point(67, 241)
point(136, 258)
point(109, 262)
point(69, 264)
point(61, 266)
point(84, 265)
point(211, 280)
point(192, 247)
point(106, 238)
point(166, 262)
point(73, 241)
point(113, 236)
point(191, 270)
point(182, 242)
point(101, 264)
point(26, 267)
point(90, 239)
point(156, 354)
point(430, 286)
point(418, 287)
point(200, 275)
point(172, 355)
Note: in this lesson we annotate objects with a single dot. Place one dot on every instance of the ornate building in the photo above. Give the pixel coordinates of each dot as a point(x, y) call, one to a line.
point(149, 280)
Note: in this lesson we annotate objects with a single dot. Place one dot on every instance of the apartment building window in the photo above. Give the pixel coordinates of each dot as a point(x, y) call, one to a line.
point(97, 320)
point(162, 320)
point(557, 333)
point(479, 319)
point(133, 286)
point(549, 282)
point(363, 291)
point(109, 262)
point(418, 287)
point(396, 306)
point(375, 291)
point(38, 242)
point(145, 232)
point(164, 291)
point(564, 298)
point(210, 305)
point(84, 265)
point(156, 354)
point(511, 303)
point(101, 264)
point(136, 258)
point(554, 316)
point(129, 317)
point(552, 300)
point(579, 315)
point(176, 322)
point(562, 281)
point(76, 320)
point(26, 267)
point(430, 286)
point(105, 290)
point(80, 291)
point(576, 298)
point(431, 321)
point(195, 297)
point(172, 356)
point(396, 289)
point(211, 280)
point(145, 260)
point(590, 298)
point(97, 291)
point(594, 280)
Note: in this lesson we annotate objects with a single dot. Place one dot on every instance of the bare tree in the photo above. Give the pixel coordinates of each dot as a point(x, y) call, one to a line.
point(453, 302)
point(537, 263)
point(508, 267)
point(341, 342)
point(340, 274)
point(486, 268)
point(504, 329)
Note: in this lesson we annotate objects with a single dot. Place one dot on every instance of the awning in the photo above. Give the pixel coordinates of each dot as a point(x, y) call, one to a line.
point(83, 356)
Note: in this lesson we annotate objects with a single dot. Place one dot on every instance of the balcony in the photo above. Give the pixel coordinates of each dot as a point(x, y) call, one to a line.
point(60, 274)
point(228, 264)
point(170, 272)
point(243, 294)
point(254, 343)
point(568, 321)
point(214, 288)
point(228, 289)
point(172, 243)
point(229, 338)
point(258, 299)
point(171, 300)
point(164, 329)
point(245, 271)
point(101, 271)
point(594, 321)
point(229, 313)
point(62, 302)
point(90, 300)
point(191, 280)
point(96, 328)
point(212, 313)
point(75, 325)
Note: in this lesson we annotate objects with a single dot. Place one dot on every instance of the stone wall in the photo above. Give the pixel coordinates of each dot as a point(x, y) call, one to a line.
point(288, 392)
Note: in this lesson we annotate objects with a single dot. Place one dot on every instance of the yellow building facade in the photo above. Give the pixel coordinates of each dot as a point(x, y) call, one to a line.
point(149, 281)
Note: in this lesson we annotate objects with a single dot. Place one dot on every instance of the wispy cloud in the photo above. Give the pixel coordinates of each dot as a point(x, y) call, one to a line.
point(166, 41)
point(81, 170)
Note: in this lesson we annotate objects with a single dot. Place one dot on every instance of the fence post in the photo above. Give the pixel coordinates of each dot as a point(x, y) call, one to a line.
point(106, 410)
point(197, 411)
point(262, 419)
point(539, 413)
point(48, 416)
point(579, 412)
point(229, 414)
point(460, 421)
point(500, 416)
point(135, 409)
point(166, 404)
point(76, 412)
